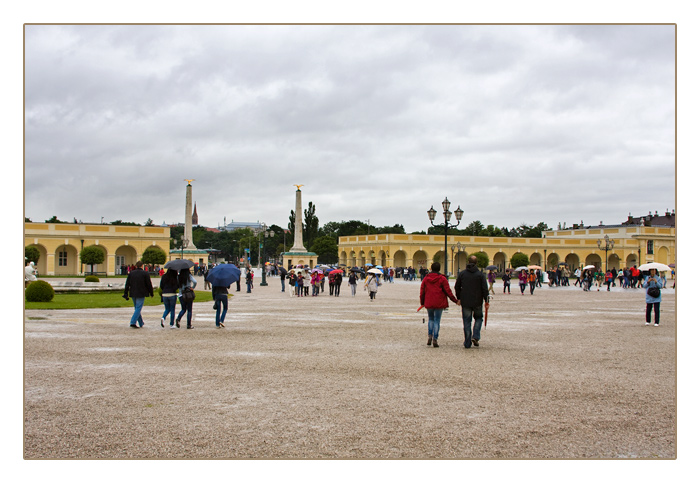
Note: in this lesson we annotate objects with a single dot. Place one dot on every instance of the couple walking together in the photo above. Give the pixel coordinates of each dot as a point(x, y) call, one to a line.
point(471, 290)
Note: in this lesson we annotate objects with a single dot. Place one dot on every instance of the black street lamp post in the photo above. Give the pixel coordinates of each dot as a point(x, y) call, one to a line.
point(606, 244)
point(266, 234)
point(458, 247)
point(447, 215)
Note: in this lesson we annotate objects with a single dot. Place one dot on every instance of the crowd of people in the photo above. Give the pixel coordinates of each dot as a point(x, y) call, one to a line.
point(472, 289)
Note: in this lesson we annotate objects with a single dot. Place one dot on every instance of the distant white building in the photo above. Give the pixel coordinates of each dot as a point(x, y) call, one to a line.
point(256, 226)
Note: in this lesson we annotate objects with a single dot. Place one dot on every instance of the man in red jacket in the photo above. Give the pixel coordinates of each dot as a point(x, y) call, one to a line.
point(434, 290)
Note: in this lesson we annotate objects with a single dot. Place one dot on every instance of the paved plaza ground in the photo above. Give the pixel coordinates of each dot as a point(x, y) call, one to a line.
point(559, 374)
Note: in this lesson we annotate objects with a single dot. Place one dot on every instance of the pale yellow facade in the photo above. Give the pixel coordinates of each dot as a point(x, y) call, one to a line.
point(59, 245)
point(576, 247)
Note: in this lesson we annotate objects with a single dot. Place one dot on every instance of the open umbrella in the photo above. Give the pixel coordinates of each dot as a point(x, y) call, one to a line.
point(283, 271)
point(492, 267)
point(534, 267)
point(179, 264)
point(589, 267)
point(335, 271)
point(376, 271)
point(520, 268)
point(368, 264)
point(356, 270)
point(379, 267)
point(224, 275)
point(563, 263)
point(656, 265)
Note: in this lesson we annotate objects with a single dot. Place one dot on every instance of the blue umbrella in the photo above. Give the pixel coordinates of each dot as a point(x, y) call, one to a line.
point(224, 275)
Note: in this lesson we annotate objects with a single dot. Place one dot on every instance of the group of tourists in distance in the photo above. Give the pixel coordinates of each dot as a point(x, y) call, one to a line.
point(472, 290)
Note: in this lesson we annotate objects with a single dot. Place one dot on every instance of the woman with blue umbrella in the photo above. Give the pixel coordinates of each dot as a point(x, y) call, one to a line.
point(221, 277)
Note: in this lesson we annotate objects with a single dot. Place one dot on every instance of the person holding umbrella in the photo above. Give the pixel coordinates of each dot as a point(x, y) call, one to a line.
point(283, 276)
point(653, 284)
point(168, 287)
point(186, 281)
point(471, 290)
point(434, 290)
point(371, 285)
point(491, 279)
point(221, 277)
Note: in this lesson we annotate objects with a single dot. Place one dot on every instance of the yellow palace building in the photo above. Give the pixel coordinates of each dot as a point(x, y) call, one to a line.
point(633, 245)
point(59, 245)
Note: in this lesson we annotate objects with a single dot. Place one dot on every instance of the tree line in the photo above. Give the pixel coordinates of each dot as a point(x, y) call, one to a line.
point(322, 240)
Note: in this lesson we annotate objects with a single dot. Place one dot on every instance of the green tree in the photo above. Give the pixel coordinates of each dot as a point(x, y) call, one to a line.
point(482, 259)
point(326, 247)
point(124, 223)
point(310, 225)
point(396, 229)
point(519, 260)
point(153, 256)
point(149, 222)
point(176, 234)
point(54, 219)
point(92, 256)
point(32, 254)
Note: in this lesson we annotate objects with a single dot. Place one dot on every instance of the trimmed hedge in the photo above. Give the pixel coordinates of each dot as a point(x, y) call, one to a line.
point(92, 278)
point(39, 291)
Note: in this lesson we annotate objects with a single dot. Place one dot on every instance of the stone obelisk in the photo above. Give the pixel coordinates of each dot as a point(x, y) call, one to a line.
point(188, 217)
point(298, 246)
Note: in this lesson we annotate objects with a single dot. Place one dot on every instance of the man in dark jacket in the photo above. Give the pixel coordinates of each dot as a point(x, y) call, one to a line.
point(471, 289)
point(138, 285)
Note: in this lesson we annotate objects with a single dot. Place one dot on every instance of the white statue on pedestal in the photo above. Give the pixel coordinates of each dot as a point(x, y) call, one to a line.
point(30, 272)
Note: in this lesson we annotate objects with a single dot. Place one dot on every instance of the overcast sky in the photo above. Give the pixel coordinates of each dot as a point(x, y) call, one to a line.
point(516, 124)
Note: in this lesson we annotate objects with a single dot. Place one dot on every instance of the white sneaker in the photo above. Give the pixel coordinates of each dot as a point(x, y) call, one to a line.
point(648, 323)
point(173, 327)
point(656, 325)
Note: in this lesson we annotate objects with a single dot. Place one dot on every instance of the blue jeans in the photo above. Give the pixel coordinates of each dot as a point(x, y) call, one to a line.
point(282, 279)
point(434, 316)
point(186, 307)
point(138, 305)
point(249, 285)
point(221, 299)
point(467, 314)
point(170, 303)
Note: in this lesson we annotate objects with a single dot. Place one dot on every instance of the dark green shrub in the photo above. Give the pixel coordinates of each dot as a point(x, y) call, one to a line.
point(92, 278)
point(519, 260)
point(39, 291)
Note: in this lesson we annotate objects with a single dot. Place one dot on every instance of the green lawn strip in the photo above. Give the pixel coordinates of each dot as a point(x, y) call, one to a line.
point(99, 300)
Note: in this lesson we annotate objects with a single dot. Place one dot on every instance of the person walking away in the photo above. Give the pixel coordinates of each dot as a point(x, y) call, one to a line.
point(220, 295)
point(185, 280)
point(137, 286)
point(506, 282)
point(434, 290)
point(205, 272)
point(608, 279)
point(532, 278)
point(653, 284)
point(471, 290)
point(491, 279)
point(331, 284)
point(168, 288)
point(248, 279)
point(371, 285)
point(577, 275)
point(538, 278)
point(522, 281)
point(352, 282)
point(338, 283)
point(283, 277)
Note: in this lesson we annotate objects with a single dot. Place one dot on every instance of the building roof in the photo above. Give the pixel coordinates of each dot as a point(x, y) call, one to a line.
point(667, 219)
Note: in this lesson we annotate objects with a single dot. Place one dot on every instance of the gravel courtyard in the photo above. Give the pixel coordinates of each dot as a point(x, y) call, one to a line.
point(559, 374)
